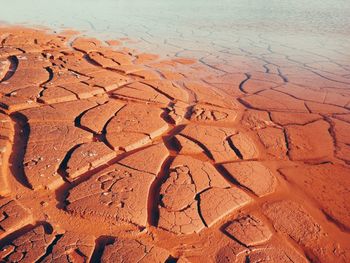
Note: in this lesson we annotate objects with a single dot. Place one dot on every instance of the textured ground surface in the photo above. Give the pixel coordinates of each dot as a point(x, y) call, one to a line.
point(111, 154)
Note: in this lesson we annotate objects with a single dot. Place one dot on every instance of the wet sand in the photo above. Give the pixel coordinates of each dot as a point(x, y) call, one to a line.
point(110, 153)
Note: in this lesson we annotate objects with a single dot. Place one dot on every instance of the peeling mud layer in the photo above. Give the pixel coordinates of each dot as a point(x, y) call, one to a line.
point(114, 155)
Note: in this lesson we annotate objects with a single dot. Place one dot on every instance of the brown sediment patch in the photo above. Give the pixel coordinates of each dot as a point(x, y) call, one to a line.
point(115, 155)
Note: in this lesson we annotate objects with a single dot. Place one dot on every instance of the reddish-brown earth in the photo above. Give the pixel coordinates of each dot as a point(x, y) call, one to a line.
point(109, 154)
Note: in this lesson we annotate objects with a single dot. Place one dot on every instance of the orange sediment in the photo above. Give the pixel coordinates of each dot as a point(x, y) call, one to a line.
point(117, 155)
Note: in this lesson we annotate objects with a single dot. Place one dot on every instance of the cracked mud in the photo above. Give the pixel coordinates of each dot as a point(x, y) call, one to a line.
point(110, 154)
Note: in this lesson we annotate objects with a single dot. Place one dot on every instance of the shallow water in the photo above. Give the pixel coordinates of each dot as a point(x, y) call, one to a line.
point(197, 24)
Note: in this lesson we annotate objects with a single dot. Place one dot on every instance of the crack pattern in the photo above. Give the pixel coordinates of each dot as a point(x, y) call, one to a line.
point(172, 158)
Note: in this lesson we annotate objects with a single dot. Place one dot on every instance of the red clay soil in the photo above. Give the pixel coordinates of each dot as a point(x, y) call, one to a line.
point(109, 154)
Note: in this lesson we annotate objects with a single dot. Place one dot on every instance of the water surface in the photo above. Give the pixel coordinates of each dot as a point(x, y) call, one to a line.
point(195, 24)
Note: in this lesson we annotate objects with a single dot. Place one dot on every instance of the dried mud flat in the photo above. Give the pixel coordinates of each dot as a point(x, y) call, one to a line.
point(114, 155)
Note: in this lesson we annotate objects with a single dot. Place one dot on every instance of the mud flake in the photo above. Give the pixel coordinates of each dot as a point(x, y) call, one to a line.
point(341, 131)
point(311, 141)
point(322, 108)
point(57, 112)
point(255, 85)
point(207, 94)
point(72, 247)
point(13, 216)
point(12, 103)
point(108, 80)
point(142, 92)
point(273, 140)
point(6, 128)
point(216, 203)
point(47, 147)
point(128, 141)
point(30, 72)
point(76, 62)
point(254, 175)
point(169, 88)
point(171, 75)
point(6, 139)
point(334, 98)
point(147, 160)
point(56, 94)
point(315, 180)
point(186, 221)
point(277, 252)
point(343, 151)
point(101, 60)
point(128, 69)
point(302, 93)
point(130, 250)
point(207, 113)
point(31, 246)
point(4, 68)
point(292, 219)
point(142, 121)
point(287, 118)
point(270, 100)
point(122, 58)
point(146, 75)
point(29, 93)
point(178, 192)
point(178, 209)
point(177, 112)
point(86, 44)
point(187, 146)
point(250, 230)
point(117, 194)
point(7, 51)
point(144, 58)
point(214, 139)
point(245, 145)
point(82, 90)
point(88, 156)
point(255, 120)
point(96, 118)
point(63, 76)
